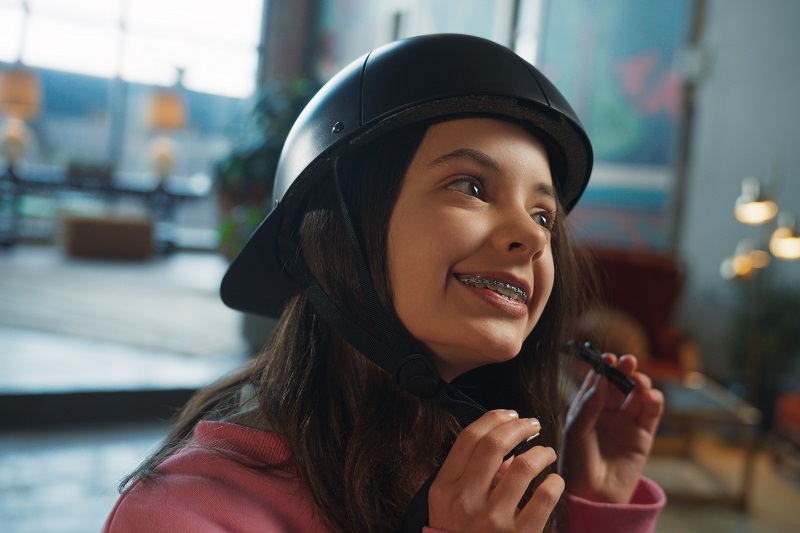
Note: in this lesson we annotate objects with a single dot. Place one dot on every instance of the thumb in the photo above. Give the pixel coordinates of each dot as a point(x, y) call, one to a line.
point(588, 406)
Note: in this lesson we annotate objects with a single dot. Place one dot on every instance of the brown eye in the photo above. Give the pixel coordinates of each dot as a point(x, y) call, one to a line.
point(545, 219)
point(468, 186)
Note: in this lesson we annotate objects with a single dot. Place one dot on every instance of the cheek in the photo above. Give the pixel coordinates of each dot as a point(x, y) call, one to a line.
point(420, 255)
point(400, 250)
point(544, 278)
point(426, 241)
point(405, 252)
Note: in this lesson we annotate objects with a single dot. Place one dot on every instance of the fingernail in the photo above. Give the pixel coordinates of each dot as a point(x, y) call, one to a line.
point(535, 423)
point(512, 414)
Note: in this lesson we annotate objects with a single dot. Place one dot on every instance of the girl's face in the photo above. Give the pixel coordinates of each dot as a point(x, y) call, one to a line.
point(469, 255)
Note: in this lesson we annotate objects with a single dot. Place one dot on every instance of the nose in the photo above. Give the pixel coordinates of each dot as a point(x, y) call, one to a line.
point(517, 234)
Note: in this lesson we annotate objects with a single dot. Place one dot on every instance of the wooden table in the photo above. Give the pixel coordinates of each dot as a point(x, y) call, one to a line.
point(698, 403)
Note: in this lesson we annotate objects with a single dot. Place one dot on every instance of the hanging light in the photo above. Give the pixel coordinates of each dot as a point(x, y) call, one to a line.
point(20, 98)
point(167, 111)
point(785, 243)
point(744, 263)
point(20, 93)
point(752, 207)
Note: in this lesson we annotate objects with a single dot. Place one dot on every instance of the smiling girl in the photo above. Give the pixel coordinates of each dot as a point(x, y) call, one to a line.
point(469, 242)
point(419, 260)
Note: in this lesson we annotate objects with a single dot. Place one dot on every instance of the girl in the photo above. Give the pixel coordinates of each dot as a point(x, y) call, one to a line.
point(419, 260)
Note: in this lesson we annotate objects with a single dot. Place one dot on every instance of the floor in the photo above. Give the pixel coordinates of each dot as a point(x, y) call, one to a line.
point(62, 478)
point(77, 338)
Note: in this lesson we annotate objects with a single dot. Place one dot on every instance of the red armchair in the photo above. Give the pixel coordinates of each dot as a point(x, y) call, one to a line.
point(786, 429)
point(637, 292)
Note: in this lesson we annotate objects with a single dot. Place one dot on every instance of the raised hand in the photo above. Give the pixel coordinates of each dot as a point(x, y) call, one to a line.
point(477, 490)
point(608, 438)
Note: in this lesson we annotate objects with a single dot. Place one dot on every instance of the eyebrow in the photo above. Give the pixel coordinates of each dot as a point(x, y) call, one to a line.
point(487, 161)
point(545, 189)
point(467, 153)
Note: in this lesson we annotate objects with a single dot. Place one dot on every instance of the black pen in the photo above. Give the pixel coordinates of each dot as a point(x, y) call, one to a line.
point(589, 354)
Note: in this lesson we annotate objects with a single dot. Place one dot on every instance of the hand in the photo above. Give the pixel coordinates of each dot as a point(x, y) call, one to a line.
point(606, 441)
point(476, 490)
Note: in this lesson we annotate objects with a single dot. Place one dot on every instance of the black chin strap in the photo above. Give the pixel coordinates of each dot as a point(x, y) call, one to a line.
point(397, 354)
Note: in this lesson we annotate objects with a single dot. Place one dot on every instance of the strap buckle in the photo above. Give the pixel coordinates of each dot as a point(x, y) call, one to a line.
point(416, 374)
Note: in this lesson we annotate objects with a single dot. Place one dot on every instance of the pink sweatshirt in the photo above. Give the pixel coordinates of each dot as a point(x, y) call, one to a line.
point(199, 490)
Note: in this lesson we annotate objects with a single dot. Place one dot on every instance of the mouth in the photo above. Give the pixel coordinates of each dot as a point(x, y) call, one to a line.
point(506, 290)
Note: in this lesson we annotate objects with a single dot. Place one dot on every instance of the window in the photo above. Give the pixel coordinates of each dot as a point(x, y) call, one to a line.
point(214, 44)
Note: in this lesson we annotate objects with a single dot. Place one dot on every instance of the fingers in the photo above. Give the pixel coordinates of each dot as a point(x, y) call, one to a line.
point(541, 505)
point(493, 447)
point(596, 395)
point(644, 381)
point(588, 383)
point(518, 476)
point(645, 403)
point(627, 364)
point(491, 436)
point(475, 485)
point(652, 407)
point(463, 506)
point(464, 447)
point(594, 398)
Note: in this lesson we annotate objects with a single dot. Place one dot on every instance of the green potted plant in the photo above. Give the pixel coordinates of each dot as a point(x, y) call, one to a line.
point(243, 179)
point(764, 339)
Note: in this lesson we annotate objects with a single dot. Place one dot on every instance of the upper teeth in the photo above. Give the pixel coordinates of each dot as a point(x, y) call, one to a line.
point(509, 291)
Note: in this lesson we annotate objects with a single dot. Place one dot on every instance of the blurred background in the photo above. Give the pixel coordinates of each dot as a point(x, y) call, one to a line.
point(137, 144)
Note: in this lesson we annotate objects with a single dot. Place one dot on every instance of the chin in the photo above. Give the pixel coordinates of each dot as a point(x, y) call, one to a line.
point(499, 345)
point(458, 360)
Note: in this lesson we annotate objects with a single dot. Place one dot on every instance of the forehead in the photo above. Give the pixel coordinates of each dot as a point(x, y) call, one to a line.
point(499, 145)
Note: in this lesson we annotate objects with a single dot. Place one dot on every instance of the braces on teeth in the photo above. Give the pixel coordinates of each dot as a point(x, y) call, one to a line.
point(509, 291)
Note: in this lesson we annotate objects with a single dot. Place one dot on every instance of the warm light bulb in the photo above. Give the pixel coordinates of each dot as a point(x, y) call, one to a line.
point(742, 266)
point(167, 110)
point(738, 266)
point(755, 212)
point(744, 262)
point(784, 244)
point(20, 93)
point(752, 207)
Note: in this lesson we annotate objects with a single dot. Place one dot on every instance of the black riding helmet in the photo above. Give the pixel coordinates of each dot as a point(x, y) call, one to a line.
point(416, 80)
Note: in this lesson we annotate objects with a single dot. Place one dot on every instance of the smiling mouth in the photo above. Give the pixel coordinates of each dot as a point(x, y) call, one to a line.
point(506, 290)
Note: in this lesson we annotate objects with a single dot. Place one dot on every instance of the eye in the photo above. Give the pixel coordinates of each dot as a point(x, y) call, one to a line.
point(546, 219)
point(468, 185)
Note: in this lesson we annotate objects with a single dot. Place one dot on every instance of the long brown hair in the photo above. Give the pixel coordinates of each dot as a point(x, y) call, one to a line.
point(361, 446)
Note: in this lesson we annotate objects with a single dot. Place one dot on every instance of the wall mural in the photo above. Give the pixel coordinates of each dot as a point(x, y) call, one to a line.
point(616, 62)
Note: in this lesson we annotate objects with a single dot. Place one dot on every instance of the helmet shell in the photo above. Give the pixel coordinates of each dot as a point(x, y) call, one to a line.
point(421, 79)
